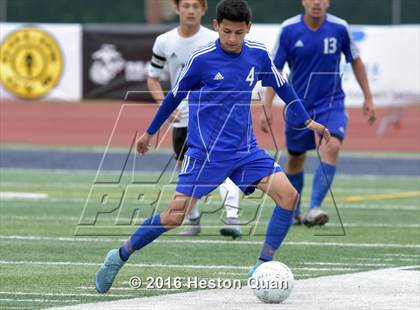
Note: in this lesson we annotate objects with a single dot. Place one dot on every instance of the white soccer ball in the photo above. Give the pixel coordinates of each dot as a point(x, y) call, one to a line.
point(272, 282)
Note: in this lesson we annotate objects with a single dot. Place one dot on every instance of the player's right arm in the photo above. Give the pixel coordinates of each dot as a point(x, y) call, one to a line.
point(279, 55)
point(157, 63)
point(188, 79)
point(267, 114)
point(155, 89)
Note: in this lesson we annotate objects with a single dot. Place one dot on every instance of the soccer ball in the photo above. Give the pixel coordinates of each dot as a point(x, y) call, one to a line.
point(272, 282)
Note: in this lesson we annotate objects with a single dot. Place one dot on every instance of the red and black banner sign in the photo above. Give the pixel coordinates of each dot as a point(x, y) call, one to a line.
point(116, 60)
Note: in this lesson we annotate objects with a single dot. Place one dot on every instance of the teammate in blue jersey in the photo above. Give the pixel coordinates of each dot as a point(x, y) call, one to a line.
point(312, 44)
point(219, 79)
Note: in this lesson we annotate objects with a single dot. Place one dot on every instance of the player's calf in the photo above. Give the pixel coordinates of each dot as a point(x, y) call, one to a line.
point(286, 196)
point(178, 209)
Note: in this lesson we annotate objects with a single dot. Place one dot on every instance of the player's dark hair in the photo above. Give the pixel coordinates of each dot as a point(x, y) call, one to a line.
point(233, 10)
point(203, 3)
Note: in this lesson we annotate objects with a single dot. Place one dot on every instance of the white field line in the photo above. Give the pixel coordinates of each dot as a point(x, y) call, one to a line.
point(347, 264)
point(409, 267)
point(230, 273)
point(207, 223)
point(325, 269)
point(222, 242)
point(40, 218)
point(204, 223)
point(395, 259)
point(131, 289)
point(65, 294)
point(344, 206)
point(355, 190)
point(357, 206)
point(39, 300)
point(47, 186)
point(402, 255)
point(2, 262)
point(22, 196)
point(84, 194)
point(19, 307)
point(374, 225)
point(52, 202)
point(116, 173)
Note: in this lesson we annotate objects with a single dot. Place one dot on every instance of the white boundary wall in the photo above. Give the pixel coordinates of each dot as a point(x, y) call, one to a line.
point(391, 55)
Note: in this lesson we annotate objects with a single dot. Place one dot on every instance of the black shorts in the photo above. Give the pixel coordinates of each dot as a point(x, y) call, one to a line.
point(179, 142)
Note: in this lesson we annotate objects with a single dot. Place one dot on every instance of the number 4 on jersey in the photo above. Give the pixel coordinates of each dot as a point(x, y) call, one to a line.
point(250, 77)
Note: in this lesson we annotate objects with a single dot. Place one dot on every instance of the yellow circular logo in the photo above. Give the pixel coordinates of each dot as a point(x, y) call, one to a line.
point(31, 63)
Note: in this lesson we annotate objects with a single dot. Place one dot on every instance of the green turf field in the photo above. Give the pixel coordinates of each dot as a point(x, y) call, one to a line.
point(44, 264)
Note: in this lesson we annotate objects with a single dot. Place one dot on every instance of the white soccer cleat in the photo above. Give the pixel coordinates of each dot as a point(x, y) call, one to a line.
point(315, 216)
point(192, 228)
point(231, 228)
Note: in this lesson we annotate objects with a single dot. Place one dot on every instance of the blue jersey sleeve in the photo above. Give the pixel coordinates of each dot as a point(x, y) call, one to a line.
point(280, 50)
point(348, 46)
point(187, 80)
point(295, 111)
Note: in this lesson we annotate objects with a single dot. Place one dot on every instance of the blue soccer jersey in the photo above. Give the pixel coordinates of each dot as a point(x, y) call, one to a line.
point(220, 87)
point(314, 59)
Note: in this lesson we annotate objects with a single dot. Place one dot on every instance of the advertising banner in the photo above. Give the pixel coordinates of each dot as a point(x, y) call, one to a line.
point(116, 59)
point(40, 61)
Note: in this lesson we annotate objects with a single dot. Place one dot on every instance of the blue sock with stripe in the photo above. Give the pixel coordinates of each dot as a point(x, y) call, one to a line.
point(146, 233)
point(323, 177)
point(277, 229)
point(297, 181)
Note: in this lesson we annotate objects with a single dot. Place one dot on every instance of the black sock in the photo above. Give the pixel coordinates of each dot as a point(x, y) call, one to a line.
point(121, 256)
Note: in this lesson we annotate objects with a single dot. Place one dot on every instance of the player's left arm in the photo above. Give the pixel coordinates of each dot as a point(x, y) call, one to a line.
point(352, 55)
point(362, 79)
point(295, 113)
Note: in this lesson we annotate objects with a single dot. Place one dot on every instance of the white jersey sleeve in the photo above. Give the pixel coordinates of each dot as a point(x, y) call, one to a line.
point(158, 60)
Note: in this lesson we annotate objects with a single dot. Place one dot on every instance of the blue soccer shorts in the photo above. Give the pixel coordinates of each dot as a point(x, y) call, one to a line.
point(197, 178)
point(300, 140)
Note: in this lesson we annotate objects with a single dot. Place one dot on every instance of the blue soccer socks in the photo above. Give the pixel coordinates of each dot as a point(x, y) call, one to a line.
point(323, 177)
point(277, 229)
point(146, 233)
point(297, 181)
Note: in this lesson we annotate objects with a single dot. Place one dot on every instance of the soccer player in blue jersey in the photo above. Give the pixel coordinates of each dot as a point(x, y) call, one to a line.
point(312, 44)
point(219, 79)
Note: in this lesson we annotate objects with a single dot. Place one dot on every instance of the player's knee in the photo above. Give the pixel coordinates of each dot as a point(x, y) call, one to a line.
point(333, 146)
point(287, 198)
point(293, 198)
point(290, 198)
point(295, 162)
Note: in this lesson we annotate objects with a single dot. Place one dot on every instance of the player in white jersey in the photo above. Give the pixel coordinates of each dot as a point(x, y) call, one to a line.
point(173, 49)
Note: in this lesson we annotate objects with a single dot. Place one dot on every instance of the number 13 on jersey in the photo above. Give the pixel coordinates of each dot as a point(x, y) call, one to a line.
point(330, 45)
